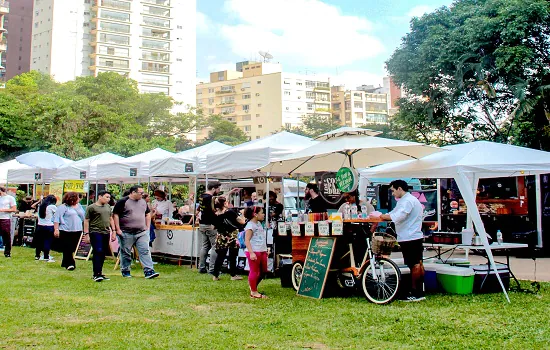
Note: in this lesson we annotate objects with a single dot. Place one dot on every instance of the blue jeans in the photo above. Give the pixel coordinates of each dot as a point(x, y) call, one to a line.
point(208, 238)
point(141, 241)
point(100, 248)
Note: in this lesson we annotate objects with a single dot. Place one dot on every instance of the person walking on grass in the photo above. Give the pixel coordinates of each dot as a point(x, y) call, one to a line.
point(407, 216)
point(132, 218)
point(43, 236)
point(99, 226)
point(228, 223)
point(7, 207)
point(67, 223)
point(256, 249)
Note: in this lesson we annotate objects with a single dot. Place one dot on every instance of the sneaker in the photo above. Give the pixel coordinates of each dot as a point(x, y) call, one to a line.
point(98, 278)
point(71, 267)
point(203, 271)
point(51, 260)
point(236, 278)
point(151, 274)
point(126, 274)
point(154, 262)
point(38, 258)
point(411, 299)
point(105, 278)
point(7, 255)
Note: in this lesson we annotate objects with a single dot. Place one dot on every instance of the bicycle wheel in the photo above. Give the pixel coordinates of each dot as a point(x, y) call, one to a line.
point(297, 269)
point(381, 285)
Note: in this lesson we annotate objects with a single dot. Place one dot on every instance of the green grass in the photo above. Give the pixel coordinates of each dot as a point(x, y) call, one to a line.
point(45, 306)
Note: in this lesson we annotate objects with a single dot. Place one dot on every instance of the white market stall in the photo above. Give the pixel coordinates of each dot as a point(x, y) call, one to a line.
point(10, 165)
point(132, 169)
point(85, 169)
point(467, 163)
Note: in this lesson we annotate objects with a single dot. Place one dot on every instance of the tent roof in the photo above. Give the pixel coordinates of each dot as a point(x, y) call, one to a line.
point(6, 166)
point(120, 170)
point(483, 158)
point(157, 153)
point(72, 171)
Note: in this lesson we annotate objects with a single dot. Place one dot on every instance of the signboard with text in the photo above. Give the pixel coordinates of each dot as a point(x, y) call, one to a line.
point(347, 179)
point(77, 186)
point(328, 189)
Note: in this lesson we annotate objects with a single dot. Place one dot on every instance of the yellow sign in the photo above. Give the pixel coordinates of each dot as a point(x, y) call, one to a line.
point(78, 186)
point(56, 188)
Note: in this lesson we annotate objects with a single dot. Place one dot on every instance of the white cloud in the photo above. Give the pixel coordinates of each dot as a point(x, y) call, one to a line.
point(203, 23)
point(419, 10)
point(305, 32)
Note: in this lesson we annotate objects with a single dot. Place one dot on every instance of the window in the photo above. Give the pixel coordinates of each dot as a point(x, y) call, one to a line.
point(36, 24)
point(228, 110)
point(246, 118)
point(155, 90)
point(310, 106)
point(116, 4)
point(228, 88)
point(246, 85)
point(257, 94)
point(156, 79)
point(299, 83)
point(155, 67)
point(247, 128)
point(310, 94)
point(114, 27)
point(257, 116)
point(155, 56)
point(358, 115)
point(246, 96)
point(358, 104)
point(210, 90)
point(210, 101)
point(211, 110)
point(116, 16)
point(107, 62)
point(156, 33)
point(336, 106)
point(156, 11)
point(259, 104)
point(287, 93)
point(288, 126)
point(228, 100)
point(310, 84)
point(246, 108)
point(114, 39)
point(287, 108)
point(159, 45)
point(114, 51)
point(156, 22)
point(286, 82)
point(259, 126)
point(180, 27)
point(259, 82)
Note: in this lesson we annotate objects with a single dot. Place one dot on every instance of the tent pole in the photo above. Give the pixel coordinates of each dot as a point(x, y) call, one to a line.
point(194, 230)
point(267, 218)
point(538, 197)
point(298, 192)
point(170, 193)
point(439, 204)
point(470, 200)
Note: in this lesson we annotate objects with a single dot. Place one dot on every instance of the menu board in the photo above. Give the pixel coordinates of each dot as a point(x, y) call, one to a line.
point(83, 250)
point(316, 267)
point(309, 229)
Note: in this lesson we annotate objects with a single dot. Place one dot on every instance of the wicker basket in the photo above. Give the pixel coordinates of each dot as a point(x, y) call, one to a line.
point(382, 243)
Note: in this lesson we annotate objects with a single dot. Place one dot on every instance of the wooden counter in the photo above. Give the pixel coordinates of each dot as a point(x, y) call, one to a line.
point(174, 227)
point(363, 220)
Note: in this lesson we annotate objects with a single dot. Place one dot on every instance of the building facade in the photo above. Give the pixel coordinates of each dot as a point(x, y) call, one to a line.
point(261, 99)
point(150, 41)
point(19, 26)
point(4, 10)
point(357, 108)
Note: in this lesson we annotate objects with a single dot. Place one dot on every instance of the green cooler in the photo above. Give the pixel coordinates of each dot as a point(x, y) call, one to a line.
point(456, 280)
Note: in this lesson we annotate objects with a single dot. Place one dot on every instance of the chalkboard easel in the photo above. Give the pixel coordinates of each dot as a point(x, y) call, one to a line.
point(316, 267)
point(83, 249)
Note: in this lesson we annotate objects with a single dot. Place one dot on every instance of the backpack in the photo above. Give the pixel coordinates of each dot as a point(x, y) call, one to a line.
point(241, 237)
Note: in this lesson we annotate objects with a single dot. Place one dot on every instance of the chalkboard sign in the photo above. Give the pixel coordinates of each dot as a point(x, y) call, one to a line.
point(83, 250)
point(316, 267)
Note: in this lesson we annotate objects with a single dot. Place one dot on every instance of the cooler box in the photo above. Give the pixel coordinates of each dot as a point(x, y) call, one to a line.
point(285, 270)
point(455, 261)
point(456, 280)
point(487, 282)
point(430, 278)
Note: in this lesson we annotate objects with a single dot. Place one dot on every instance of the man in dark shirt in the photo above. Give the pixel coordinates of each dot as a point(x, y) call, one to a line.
point(132, 219)
point(316, 203)
point(98, 225)
point(275, 208)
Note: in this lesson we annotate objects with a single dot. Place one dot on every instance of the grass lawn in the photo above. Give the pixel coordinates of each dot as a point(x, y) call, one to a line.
point(45, 306)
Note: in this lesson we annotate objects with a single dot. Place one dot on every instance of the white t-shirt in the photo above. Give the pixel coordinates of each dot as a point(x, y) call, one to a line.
point(164, 207)
point(48, 220)
point(407, 216)
point(6, 202)
point(258, 239)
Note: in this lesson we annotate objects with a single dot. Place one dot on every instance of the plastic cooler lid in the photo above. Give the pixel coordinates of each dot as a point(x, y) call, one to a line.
point(455, 271)
point(434, 267)
point(483, 268)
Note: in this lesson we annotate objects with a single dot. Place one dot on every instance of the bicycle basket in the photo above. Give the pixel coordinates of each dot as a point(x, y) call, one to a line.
point(382, 243)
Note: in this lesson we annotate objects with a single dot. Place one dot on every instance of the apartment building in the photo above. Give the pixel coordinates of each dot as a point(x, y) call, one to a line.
point(356, 108)
point(19, 25)
point(4, 10)
point(150, 41)
point(262, 99)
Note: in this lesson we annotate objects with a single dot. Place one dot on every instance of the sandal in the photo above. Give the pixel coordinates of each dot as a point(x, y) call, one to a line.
point(261, 296)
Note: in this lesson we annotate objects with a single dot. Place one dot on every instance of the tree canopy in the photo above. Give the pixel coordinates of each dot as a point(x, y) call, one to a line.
point(479, 69)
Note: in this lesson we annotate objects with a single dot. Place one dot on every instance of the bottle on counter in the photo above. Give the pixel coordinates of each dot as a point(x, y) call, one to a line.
point(499, 237)
point(354, 211)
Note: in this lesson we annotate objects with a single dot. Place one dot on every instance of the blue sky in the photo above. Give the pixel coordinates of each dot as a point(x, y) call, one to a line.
point(348, 40)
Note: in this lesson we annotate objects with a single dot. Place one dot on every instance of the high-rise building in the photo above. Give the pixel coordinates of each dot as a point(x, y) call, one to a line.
point(261, 99)
point(4, 10)
point(356, 108)
point(19, 26)
point(150, 41)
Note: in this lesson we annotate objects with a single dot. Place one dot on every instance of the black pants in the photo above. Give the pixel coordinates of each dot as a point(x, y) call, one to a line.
point(43, 238)
point(233, 253)
point(69, 242)
point(100, 248)
point(5, 231)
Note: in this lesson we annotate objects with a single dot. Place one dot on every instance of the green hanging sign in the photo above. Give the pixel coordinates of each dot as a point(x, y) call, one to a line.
point(347, 179)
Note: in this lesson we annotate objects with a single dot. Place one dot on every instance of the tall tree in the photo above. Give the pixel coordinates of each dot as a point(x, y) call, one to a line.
point(479, 69)
point(224, 131)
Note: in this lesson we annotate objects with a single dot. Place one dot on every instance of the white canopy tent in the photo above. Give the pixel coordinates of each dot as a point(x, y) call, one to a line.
point(9, 165)
point(132, 169)
point(177, 165)
point(244, 160)
point(467, 163)
point(41, 167)
point(89, 165)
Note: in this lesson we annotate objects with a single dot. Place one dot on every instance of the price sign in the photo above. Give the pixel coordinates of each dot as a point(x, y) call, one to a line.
point(133, 172)
point(310, 229)
point(323, 228)
point(282, 228)
point(337, 228)
point(295, 229)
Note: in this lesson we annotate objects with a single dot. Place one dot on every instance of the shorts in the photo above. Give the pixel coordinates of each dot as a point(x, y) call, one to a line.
point(412, 252)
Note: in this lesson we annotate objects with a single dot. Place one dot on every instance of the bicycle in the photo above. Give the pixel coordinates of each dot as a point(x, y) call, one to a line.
point(379, 277)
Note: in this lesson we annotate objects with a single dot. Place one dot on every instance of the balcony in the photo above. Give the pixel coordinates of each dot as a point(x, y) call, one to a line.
point(156, 33)
point(222, 92)
point(321, 88)
point(156, 11)
point(155, 45)
point(114, 39)
point(157, 2)
point(156, 22)
point(155, 67)
point(155, 56)
point(114, 4)
point(114, 64)
point(4, 7)
point(112, 16)
point(114, 27)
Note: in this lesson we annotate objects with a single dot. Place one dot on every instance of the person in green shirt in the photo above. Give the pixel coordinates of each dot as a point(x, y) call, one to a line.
point(99, 225)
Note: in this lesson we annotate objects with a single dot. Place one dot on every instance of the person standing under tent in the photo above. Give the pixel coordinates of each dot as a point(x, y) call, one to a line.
point(67, 224)
point(7, 206)
point(99, 225)
point(132, 218)
point(316, 203)
point(43, 236)
point(407, 216)
point(228, 224)
point(275, 208)
point(161, 206)
point(256, 249)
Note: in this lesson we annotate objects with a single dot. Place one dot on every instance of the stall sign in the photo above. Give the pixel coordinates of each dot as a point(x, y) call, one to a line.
point(337, 228)
point(372, 195)
point(133, 172)
point(310, 229)
point(82, 175)
point(316, 267)
point(323, 228)
point(77, 186)
point(56, 188)
point(259, 180)
point(347, 179)
point(188, 167)
point(281, 228)
point(295, 229)
point(37, 176)
point(428, 200)
point(327, 187)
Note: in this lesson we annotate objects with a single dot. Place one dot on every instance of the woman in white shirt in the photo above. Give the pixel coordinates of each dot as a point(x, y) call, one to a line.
point(161, 206)
point(43, 236)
